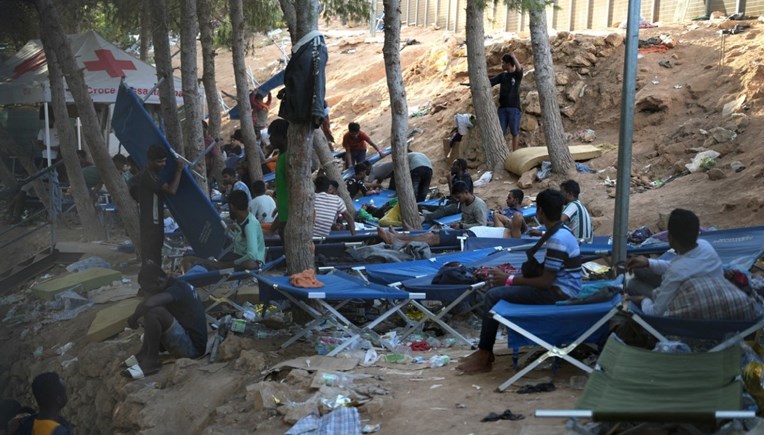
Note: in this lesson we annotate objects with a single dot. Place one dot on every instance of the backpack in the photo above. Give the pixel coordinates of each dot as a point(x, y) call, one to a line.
point(454, 273)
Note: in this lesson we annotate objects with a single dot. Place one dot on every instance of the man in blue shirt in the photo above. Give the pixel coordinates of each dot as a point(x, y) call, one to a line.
point(560, 280)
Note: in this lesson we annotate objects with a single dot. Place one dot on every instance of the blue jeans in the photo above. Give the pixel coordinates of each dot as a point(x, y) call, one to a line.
point(177, 341)
point(421, 177)
point(358, 156)
point(510, 120)
point(517, 294)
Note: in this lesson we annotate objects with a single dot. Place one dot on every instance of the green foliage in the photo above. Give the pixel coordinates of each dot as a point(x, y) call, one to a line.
point(18, 24)
point(354, 10)
point(528, 5)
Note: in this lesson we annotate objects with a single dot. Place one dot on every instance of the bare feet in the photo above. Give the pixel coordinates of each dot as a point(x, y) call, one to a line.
point(479, 361)
point(382, 234)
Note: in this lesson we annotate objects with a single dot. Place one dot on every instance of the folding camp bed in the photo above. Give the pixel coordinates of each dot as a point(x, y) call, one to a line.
point(389, 273)
point(377, 200)
point(214, 279)
point(453, 294)
point(740, 246)
point(371, 158)
point(527, 212)
point(636, 385)
point(339, 289)
point(557, 328)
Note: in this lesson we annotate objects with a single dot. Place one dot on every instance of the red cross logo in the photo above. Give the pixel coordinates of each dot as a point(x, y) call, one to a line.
point(107, 62)
point(30, 64)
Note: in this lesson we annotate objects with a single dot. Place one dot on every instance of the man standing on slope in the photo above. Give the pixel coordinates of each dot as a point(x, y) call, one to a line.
point(509, 81)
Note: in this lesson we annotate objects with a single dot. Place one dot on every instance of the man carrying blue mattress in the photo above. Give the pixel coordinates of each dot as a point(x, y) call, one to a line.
point(560, 279)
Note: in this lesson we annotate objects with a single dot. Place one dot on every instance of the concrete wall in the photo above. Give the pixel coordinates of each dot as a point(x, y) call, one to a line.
point(567, 15)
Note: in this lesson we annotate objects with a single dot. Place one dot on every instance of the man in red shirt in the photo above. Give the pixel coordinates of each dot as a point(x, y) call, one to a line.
point(355, 143)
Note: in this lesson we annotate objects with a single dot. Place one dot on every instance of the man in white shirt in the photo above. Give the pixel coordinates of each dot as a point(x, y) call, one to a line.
point(326, 209)
point(575, 215)
point(262, 206)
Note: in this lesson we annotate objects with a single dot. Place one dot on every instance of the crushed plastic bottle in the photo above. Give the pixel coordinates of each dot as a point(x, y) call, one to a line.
point(438, 360)
point(336, 380)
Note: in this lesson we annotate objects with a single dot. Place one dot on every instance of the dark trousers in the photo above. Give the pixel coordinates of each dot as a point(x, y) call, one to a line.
point(517, 294)
point(421, 182)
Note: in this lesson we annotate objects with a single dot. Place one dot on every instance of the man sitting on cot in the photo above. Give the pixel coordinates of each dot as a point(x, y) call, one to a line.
point(561, 279)
point(691, 285)
point(173, 320)
point(474, 213)
point(511, 218)
point(249, 251)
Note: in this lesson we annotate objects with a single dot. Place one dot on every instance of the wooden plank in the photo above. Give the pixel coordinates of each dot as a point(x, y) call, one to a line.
point(83, 281)
point(526, 158)
point(111, 320)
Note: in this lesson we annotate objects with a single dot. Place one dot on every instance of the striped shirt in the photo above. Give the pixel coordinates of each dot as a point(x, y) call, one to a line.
point(326, 207)
point(563, 257)
point(579, 220)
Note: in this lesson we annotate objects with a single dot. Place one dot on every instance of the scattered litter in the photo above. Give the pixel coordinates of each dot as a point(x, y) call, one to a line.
point(702, 160)
point(64, 348)
point(544, 387)
point(434, 386)
point(737, 166)
point(88, 263)
point(371, 428)
point(438, 360)
point(68, 362)
point(70, 305)
point(460, 405)
point(678, 86)
point(477, 387)
point(665, 63)
point(483, 180)
point(654, 82)
point(506, 415)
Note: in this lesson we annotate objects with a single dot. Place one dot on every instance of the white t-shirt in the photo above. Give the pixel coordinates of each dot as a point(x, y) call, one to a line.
point(262, 207)
point(53, 143)
point(327, 208)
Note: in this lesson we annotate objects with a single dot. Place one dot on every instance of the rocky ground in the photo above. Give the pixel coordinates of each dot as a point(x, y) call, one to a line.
point(705, 101)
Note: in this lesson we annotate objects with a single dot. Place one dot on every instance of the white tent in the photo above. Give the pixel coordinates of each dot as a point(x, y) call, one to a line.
point(24, 77)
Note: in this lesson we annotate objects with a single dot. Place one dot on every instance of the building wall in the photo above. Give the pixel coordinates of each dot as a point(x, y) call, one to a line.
point(568, 15)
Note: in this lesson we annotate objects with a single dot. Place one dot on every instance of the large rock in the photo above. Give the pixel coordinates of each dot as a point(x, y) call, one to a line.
point(715, 174)
point(574, 90)
point(568, 111)
point(531, 104)
point(267, 395)
point(722, 135)
point(529, 122)
point(527, 179)
point(561, 78)
point(614, 39)
point(650, 99)
point(250, 361)
point(297, 410)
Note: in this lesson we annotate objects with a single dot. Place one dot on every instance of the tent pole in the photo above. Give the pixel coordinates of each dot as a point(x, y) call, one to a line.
point(79, 133)
point(151, 91)
point(51, 184)
point(624, 162)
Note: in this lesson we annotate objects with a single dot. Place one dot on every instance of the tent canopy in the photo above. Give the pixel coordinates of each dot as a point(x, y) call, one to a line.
point(24, 77)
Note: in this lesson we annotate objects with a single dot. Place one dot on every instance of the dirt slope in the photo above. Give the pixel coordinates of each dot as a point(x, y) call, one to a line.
point(679, 109)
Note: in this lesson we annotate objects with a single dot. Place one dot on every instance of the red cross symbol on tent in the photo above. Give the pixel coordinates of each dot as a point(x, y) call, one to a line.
point(107, 62)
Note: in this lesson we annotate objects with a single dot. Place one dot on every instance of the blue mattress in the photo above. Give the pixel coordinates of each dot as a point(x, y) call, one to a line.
point(528, 212)
point(377, 200)
point(338, 286)
point(388, 273)
point(556, 324)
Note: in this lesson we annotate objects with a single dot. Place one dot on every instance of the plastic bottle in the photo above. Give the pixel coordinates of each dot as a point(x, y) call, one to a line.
point(438, 360)
point(336, 380)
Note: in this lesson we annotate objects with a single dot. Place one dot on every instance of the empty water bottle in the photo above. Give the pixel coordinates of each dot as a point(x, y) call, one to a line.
point(439, 360)
point(336, 380)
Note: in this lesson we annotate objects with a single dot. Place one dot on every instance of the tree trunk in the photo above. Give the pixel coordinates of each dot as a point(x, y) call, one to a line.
point(242, 90)
point(91, 225)
point(320, 146)
point(192, 125)
point(126, 207)
point(6, 176)
point(145, 32)
point(299, 229)
point(399, 114)
point(162, 60)
point(494, 145)
point(552, 125)
point(214, 107)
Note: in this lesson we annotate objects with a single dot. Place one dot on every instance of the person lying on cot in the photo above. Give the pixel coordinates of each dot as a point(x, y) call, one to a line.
point(474, 213)
point(249, 251)
point(173, 319)
point(691, 285)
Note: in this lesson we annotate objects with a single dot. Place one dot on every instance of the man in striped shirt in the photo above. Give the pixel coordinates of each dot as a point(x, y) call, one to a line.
point(326, 209)
point(575, 215)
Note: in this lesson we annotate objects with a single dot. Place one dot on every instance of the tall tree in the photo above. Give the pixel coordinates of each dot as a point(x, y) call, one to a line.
point(544, 75)
point(192, 105)
point(242, 90)
point(302, 17)
point(91, 225)
point(492, 140)
point(399, 113)
point(94, 140)
point(164, 66)
point(214, 108)
point(145, 32)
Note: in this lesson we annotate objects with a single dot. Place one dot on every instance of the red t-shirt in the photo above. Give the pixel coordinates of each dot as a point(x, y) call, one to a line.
point(358, 143)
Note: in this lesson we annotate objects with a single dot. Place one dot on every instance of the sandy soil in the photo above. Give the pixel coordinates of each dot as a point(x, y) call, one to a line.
point(686, 103)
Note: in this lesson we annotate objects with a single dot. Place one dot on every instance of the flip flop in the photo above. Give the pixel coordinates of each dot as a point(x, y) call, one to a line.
point(130, 362)
point(136, 372)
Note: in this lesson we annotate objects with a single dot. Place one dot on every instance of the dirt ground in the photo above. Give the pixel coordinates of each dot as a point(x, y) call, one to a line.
point(679, 109)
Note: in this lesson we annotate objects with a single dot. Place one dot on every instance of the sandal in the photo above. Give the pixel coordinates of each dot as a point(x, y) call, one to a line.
point(136, 372)
point(130, 362)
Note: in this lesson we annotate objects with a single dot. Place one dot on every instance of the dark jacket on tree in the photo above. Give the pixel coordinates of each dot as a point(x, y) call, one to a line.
point(304, 81)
